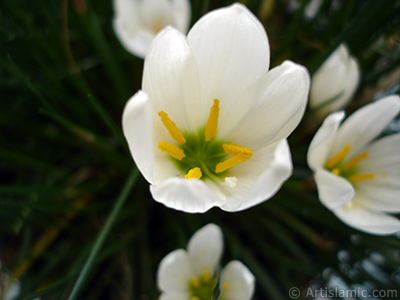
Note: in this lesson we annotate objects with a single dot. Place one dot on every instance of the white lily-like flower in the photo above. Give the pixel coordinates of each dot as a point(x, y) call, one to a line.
point(193, 274)
point(209, 127)
point(358, 177)
point(137, 22)
point(335, 82)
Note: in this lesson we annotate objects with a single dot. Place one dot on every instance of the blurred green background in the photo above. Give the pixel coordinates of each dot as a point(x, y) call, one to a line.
point(77, 220)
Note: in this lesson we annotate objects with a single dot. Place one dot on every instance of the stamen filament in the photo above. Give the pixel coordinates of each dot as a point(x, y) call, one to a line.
point(172, 150)
point(194, 173)
point(174, 131)
point(235, 149)
point(212, 123)
point(352, 162)
point(360, 177)
point(229, 163)
point(338, 157)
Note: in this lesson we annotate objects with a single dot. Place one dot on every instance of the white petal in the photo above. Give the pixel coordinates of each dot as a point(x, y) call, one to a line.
point(13, 291)
point(240, 282)
point(137, 127)
point(323, 140)
point(205, 248)
point(367, 220)
point(231, 49)
point(270, 108)
point(366, 124)
point(333, 191)
point(128, 29)
point(381, 193)
point(259, 178)
point(170, 78)
point(175, 272)
point(181, 13)
point(175, 295)
point(352, 80)
point(192, 196)
point(337, 79)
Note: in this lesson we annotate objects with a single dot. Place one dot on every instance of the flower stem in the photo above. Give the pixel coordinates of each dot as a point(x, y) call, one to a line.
point(103, 234)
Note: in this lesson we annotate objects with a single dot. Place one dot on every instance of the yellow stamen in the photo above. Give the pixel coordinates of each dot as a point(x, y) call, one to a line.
point(338, 157)
point(194, 298)
point(212, 123)
point(360, 177)
point(172, 150)
point(235, 149)
point(194, 173)
point(352, 162)
point(230, 162)
point(336, 171)
point(206, 276)
point(157, 26)
point(172, 128)
point(195, 282)
point(224, 286)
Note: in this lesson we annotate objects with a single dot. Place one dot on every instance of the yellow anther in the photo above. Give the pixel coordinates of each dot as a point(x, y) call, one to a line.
point(194, 173)
point(157, 26)
point(194, 298)
point(230, 162)
point(195, 282)
point(352, 162)
point(360, 177)
point(235, 149)
point(336, 171)
point(172, 150)
point(224, 286)
point(172, 128)
point(212, 123)
point(338, 157)
point(205, 275)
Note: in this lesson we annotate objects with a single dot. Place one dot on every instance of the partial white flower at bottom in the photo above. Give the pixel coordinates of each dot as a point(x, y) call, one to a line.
point(137, 22)
point(358, 177)
point(193, 274)
point(8, 291)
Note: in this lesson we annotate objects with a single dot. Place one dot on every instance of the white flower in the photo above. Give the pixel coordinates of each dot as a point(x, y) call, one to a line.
point(209, 127)
point(137, 22)
point(358, 177)
point(193, 274)
point(335, 82)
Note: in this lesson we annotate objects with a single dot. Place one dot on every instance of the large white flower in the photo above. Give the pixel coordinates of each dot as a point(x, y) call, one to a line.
point(358, 177)
point(137, 22)
point(209, 126)
point(335, 82)
point(193, 274)
point(8, 291)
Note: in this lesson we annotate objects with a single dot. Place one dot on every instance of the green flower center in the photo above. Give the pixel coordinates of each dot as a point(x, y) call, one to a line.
point(201, 156)
point(202, 288)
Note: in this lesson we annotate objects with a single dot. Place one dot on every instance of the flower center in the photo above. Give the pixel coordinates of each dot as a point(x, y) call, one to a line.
point(348, 170)
point(202, 288)
point(201, 155)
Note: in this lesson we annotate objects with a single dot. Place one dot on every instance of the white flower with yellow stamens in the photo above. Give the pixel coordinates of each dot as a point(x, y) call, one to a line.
point(137, 22)
point(193, 274)
point(209, 126)
point(358, 177)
